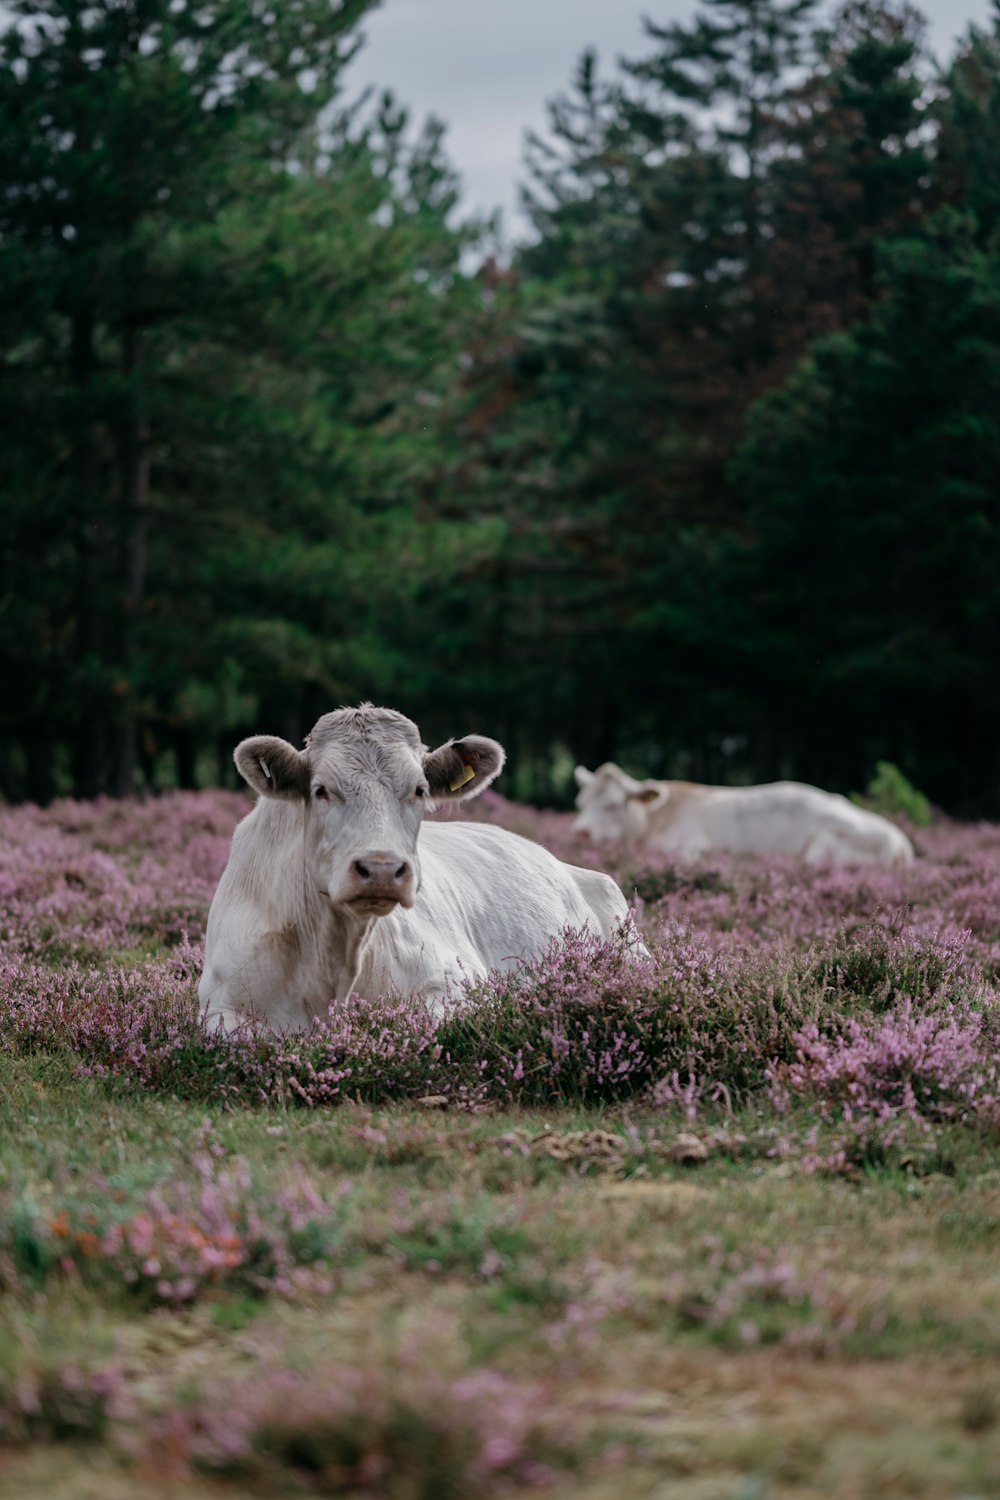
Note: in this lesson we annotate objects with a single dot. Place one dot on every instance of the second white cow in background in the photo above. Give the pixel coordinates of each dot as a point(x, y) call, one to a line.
point(781, 817)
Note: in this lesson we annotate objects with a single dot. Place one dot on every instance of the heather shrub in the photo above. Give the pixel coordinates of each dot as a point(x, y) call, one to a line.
point(475, 1243)
point(207, 1228)
point(350, 1431)
point(876, 966)
point(932, 1065)
point(652, 882)
point(370, 1050)
point(586, 1022)
point(590, 1021)
point(89, 880)
point(574, 1022)
point(59, 1404)
point(122, 1021)
point(841, 1147)
point(745, 957)
point(746, 1298)
point(138, 1028)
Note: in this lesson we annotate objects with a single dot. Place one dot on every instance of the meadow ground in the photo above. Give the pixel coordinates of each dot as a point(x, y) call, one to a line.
point(722, 1224)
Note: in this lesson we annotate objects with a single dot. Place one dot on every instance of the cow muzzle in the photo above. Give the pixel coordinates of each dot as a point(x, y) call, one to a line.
point(380, 881)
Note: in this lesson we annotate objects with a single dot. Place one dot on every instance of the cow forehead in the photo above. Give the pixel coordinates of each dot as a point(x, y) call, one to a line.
point(610, 785)
point(365, 744)
point(611, 775)
point(365, 726)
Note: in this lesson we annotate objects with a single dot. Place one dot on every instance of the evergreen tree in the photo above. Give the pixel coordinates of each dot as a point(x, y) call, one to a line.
point(577, 403)
point(653, 601)
point(215, 312)
point(698, 222)
point(872, 585)
point(971, 126)
point(862, 167)
point(731, 71)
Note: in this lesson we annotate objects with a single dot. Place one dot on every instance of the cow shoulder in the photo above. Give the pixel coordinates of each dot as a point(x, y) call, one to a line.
point(263, 874)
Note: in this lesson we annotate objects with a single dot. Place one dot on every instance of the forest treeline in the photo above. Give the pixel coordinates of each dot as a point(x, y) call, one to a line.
point(705, 477)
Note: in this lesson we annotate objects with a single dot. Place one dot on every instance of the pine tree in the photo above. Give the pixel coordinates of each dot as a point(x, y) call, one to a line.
point(731, 72)
point(700, 221)
point(970, 114)
point(220, 313)
point(641, 331)
point(870, 588)
point(861, 168)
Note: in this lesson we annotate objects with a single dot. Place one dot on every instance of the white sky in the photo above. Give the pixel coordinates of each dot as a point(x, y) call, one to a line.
point(487, 68)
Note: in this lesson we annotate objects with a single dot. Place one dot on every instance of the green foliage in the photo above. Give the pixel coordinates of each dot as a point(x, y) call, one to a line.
point(55, 1405)
point(652, 882)
point(472, 1243)
point(704, 479)
point(869, 483)
point(29, 1252)
point(700, 219)
point(229, 307)
point(970, 110)
point(890, 793)
point(873, 972)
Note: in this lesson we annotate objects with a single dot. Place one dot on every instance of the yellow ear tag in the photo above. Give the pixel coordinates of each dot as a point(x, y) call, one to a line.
point(467, 774)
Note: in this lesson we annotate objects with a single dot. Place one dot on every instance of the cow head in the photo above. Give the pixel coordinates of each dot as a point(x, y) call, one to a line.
point(364, 781)
point(613, 805)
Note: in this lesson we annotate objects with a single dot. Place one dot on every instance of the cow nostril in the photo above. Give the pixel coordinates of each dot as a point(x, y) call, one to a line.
point(362, 869)
point(403, 871)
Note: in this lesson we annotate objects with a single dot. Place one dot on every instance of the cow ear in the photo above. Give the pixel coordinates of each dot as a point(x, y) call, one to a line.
point(273, 767)
point(462, 768)
point(583, 776)
point(649, 792)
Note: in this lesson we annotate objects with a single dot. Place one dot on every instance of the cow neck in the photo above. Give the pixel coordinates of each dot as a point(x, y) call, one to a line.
point(338, 936)
point(344, 939)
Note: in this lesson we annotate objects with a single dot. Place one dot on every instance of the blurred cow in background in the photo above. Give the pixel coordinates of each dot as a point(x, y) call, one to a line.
point(781, 817)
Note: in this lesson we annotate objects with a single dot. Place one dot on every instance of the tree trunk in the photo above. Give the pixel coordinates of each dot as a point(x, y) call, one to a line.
point(135, 550)
point(133, 444)
point(224, 758)
point(147, 750)
point(12, 775)
point(185, 754)
point(40, 781)
point(90, 758)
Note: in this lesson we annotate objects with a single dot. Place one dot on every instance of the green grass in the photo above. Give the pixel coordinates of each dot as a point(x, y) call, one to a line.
point(617, 1280)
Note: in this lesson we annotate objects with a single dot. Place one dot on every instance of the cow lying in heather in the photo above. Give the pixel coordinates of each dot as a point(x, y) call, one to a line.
point(782, 817)
point(327, 893)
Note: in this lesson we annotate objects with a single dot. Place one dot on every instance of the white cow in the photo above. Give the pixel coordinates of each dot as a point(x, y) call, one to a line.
point(326, 892)
point(782, 817)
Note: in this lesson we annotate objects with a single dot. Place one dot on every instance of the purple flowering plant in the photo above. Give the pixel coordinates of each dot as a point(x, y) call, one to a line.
point(857, 992)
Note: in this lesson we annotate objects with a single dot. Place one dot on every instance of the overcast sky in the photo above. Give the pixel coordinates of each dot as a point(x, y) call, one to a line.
point(487, 67)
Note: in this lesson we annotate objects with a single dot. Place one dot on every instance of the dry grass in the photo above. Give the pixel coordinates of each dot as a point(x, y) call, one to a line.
point(464, 1247)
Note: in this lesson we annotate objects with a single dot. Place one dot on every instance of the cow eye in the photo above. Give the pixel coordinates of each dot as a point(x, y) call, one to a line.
point(321, 794)
point(420, 791)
